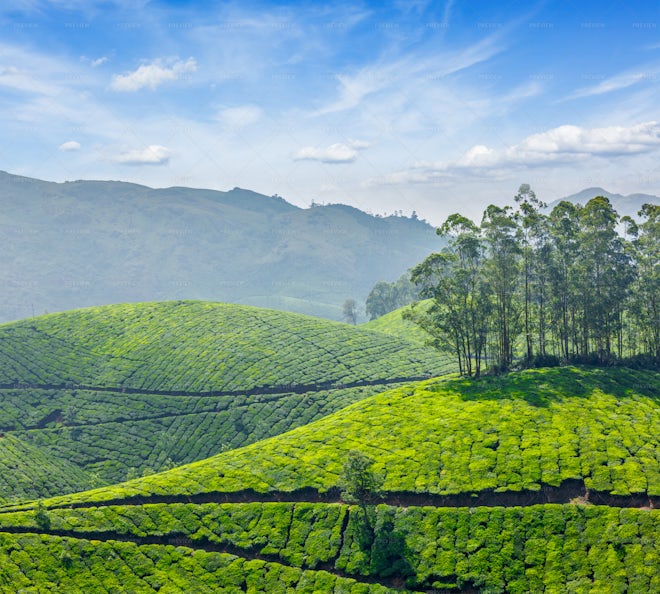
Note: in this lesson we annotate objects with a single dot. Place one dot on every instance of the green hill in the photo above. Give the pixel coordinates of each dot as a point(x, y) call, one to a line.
point(120, 390)
point(319, 548)
point(539, 481)
point(522, 432)
point(392, 323)
point(189, 346)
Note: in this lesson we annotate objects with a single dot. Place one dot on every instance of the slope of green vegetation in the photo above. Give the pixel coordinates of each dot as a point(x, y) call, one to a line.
point(39, 563)
point(27, 471)
point(392, 323)
point(565, 548)
point(512, 433)
point(118, 391)
point(117, 435)
point(508, 436)
point(194, 346)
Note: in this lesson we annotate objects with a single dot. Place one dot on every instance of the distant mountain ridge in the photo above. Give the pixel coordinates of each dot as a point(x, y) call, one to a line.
point(83, 243)
point(624, 205)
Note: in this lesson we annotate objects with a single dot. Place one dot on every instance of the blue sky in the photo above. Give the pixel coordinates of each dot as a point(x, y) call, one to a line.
point(427, 106)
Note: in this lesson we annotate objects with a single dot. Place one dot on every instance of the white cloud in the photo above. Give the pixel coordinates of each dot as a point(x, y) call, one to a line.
point(152, 75)
point(94, 63)
point(340, 152)
point(70, 145)
point(573, 140)
point(154, 154)
point(562, 145)
point(239, 117)
point(354, 88)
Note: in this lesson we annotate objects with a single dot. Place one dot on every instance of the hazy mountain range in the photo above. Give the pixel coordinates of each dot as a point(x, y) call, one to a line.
point(74, 244)
point(624, 205)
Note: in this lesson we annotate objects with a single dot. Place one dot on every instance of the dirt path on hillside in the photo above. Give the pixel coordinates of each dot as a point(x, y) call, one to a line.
point(570, 491)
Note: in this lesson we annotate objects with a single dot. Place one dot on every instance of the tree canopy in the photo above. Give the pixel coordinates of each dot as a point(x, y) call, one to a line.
point(578, 284)
point(386, 297)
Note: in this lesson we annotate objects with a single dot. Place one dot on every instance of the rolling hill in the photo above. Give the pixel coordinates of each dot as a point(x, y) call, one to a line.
point(539, 481)
point(525, 432)
point(88, 243)
point(117, 391)
point(392, 323)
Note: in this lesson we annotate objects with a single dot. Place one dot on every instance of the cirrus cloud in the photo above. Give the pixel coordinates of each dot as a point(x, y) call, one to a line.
point(340, 152)
point(152, 75)
point(154, 154)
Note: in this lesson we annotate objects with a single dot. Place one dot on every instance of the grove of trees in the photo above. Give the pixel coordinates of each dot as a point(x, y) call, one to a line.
point(577, 284)
point(386, 297)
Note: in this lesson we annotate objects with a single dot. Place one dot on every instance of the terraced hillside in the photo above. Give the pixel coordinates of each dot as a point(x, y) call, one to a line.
point(541, 481)
point(123, 390)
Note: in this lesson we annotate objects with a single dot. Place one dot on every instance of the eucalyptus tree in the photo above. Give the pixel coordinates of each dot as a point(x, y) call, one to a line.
point(564, 229)
point(530, 221)
point(540, 289)
point(502, 267)
point(605, 273)
point(454, 279)
point(646, 293)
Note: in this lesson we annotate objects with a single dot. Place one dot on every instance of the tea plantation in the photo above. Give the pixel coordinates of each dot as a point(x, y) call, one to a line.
point(253, 546)
point(199, 347)
point(517, 433)
point(109, 393)
point(543, 480)
point(503, 439)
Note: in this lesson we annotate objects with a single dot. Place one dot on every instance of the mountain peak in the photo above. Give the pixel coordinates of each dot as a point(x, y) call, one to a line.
point(624, 205)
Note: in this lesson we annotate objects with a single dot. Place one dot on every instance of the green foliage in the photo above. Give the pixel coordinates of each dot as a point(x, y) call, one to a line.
point(199, 347)
point(510, 433)
point(516, 549)
point(29, 472)
point(182, 430)
point(211, 377)
point(386, 297)
point(543, 289)
point(36, 563)
point(534, 549)
point(41, 517)
point(359, 483)
point(505, 433)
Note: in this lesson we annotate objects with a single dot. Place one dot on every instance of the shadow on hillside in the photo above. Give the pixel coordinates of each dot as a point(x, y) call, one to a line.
point(540, 387)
